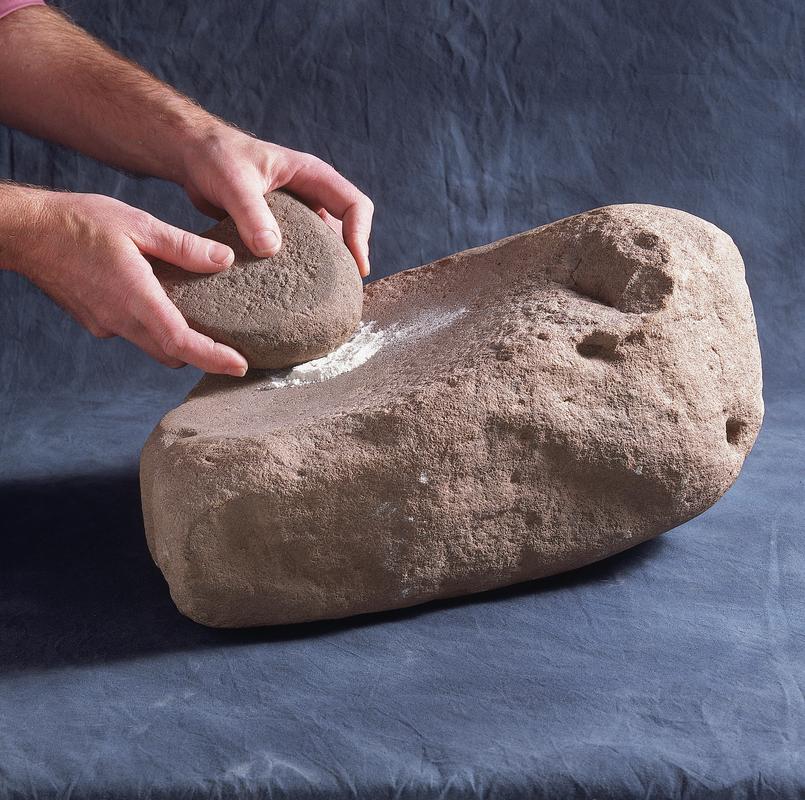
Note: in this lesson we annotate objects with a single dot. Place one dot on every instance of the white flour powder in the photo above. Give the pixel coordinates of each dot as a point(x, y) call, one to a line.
point(365, 342)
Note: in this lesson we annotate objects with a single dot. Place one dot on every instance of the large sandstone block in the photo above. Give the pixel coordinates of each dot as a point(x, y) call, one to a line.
point(514, 411)
point(278, 311)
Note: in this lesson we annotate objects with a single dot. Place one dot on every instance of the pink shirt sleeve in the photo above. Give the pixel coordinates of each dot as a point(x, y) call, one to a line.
point(7, 6)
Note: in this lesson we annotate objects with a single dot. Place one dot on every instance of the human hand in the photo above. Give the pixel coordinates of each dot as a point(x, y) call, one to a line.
point(226, 171)
point(87, 252)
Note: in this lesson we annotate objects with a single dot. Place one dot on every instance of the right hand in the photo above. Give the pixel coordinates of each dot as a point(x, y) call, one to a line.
point(87, 252)
point(227, 171)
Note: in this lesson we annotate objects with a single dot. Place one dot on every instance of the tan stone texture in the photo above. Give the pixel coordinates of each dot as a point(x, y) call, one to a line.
point(540, 403)
point(278, 311)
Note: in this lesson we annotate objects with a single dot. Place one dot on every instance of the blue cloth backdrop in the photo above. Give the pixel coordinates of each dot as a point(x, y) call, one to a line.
point(674, 670)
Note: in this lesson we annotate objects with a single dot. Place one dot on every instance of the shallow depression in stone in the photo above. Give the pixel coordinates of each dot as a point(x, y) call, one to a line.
point(364, 344)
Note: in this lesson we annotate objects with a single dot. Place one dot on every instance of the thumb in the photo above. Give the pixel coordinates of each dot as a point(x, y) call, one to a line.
point(255, 223)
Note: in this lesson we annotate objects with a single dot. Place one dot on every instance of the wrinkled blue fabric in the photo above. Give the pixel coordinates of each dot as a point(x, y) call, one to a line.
point(673, 670)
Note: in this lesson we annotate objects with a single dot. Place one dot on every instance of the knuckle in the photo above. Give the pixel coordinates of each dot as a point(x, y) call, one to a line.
point(302, 159)
point(363, 210)
point(141, 226)
point(92, 198)
point(316, 163)
point(186, 244)
point(329, 173)
point(266, 161)
point(172, 343)
point(142, 221)
point(280, 165)
point(310, 166)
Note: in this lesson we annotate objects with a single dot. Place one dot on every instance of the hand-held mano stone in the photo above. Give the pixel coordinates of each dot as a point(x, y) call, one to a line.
point(517, 410)
point(279, 311)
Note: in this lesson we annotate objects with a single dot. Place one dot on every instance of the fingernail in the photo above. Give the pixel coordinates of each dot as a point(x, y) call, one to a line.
point(220, 254)
point(266, 242)
point(238, 372)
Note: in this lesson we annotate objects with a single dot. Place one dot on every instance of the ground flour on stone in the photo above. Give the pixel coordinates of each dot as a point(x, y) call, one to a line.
point(356, 351)
point(360, 348)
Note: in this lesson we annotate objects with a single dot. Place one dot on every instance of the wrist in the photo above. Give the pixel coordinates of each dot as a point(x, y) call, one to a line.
point(196, 142)
point(22, 217)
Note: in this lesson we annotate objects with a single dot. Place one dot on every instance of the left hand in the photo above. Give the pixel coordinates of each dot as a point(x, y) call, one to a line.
point(227, 171)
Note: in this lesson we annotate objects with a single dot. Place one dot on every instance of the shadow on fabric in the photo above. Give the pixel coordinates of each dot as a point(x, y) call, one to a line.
point(78, 586)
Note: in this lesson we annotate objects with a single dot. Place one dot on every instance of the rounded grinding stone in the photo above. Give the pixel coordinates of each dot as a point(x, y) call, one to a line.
point(293, 307)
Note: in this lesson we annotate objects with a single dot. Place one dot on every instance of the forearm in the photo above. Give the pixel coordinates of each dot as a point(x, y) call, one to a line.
point(57, 82)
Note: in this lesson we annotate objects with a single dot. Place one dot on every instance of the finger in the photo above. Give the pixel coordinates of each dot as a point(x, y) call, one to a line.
point(139, 336)
point(357, 227)
point(318, 184)
point(168, 328)
point(332, 223)
point(181, 248)
point(255, 223)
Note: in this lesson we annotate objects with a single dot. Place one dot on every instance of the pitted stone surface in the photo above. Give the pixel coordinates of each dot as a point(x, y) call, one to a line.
point(531, 406)
point(279, 311)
